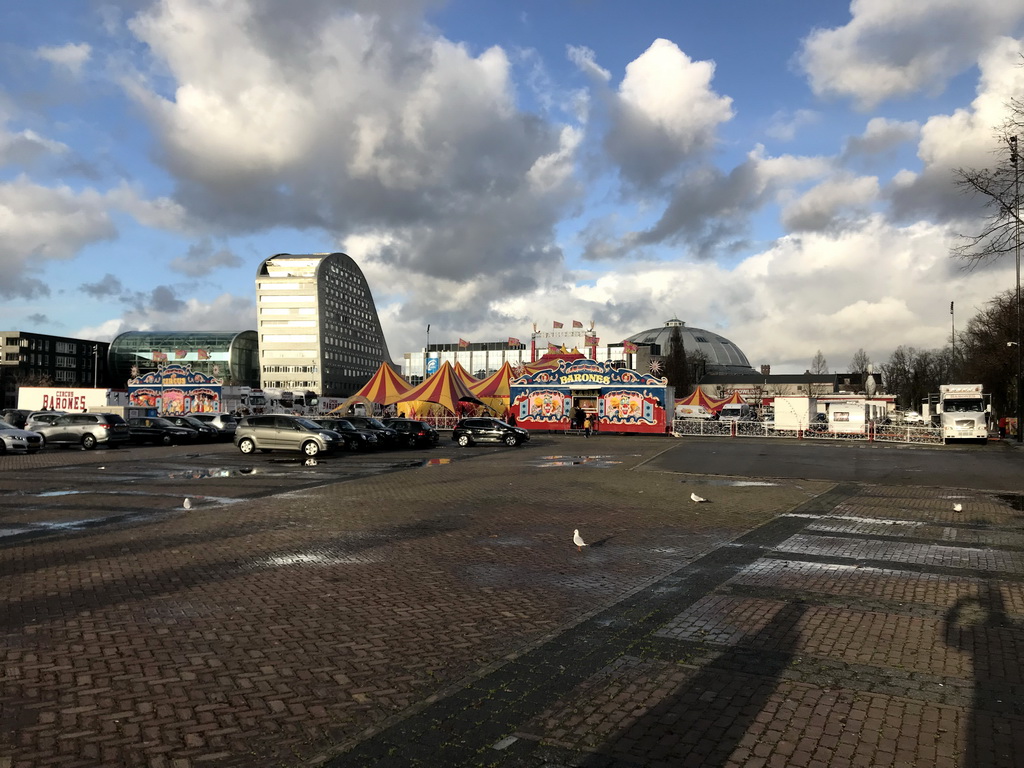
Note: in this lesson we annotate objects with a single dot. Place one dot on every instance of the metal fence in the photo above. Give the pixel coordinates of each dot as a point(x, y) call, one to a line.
point(889, 433)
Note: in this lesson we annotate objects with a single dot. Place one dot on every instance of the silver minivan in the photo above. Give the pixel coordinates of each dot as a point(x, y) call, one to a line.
point(278, 432)
point(87, 430)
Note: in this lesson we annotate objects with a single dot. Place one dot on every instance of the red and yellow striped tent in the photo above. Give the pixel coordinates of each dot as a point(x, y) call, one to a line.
point(494, 391)
point(443, 388)
point(384, 387)
point(734, 399)
point(465, 376)
point(700, 397)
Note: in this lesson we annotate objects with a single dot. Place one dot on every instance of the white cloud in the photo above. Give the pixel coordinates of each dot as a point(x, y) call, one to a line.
point(666, 113)
point(161, 309)
point(831, 203)
point(892, 50)
point(40, 224)
point(785, 125)
point(72, 56)
point(880, 136)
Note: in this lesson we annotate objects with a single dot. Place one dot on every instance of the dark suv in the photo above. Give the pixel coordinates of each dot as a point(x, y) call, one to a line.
point(488, 430)
point(355, 439)
point(386, 436)
point(414, 433)
point(87, 430)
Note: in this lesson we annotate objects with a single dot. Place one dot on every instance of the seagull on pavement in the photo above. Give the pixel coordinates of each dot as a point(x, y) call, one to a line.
point(958, 507)
point(578, 540)
point(187, 504)
point(695, 497)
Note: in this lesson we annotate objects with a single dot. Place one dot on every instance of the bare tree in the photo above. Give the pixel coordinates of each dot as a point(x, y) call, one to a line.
point(860, 361)
point(677, 370)
point(819, 364)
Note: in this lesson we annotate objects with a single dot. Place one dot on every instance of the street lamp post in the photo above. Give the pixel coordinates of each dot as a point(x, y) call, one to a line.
point(1016, 248)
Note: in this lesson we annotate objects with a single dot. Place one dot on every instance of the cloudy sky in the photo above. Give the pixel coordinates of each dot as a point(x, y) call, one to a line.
point(778, 172)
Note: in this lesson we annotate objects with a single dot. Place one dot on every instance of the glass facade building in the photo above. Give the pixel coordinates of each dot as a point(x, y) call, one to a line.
point(231, 356)
point(317, 323)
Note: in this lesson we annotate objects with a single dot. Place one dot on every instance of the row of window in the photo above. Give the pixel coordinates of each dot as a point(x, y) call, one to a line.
point(291, 369)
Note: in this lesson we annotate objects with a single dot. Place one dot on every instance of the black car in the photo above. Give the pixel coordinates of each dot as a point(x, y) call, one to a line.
point(819, 423)
point(159, 431)
point(488, 430)
point(386, 436)
point(414, 433)
point(355, 439)
point(206, 432)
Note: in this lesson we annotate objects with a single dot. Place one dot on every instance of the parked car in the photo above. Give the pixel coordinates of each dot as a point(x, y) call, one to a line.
point(912, 417)
point(286, 433)
point(87, 430)
point(224, 423)
point(414, 433)
point(488, 430)
point(206, 432)
point(386, 436)
point(355, 439)
point(16, 417)
point(14, 440)
point(39, 418)
point(158, 430)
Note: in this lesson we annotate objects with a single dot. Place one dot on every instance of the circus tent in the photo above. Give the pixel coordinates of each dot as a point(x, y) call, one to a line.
point(699, 398)
point(734, 399)
point(384, 388)
point(443, 388)
point(494, 390)
point(465, 376)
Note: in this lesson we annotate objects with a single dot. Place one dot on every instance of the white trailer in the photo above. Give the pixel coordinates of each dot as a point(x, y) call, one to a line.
point(962, 411)
point(794, 413)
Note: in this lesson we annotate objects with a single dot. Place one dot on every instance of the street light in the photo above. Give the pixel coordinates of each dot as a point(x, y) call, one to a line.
point(1016, 248)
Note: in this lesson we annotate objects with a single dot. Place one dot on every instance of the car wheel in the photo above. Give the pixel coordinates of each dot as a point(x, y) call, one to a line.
point(245, 445)
point(166, 440)
point(412, 441)
point(42, 441)
point(464, 440)
point(310, 448)
point(511, 441)
point(88, 442)
point(3, 447)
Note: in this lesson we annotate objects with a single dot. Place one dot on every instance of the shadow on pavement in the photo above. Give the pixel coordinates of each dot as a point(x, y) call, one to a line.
point(703, 721)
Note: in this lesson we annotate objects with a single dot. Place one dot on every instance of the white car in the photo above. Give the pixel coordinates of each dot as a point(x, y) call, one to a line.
point(14, 440)
point(913, 417)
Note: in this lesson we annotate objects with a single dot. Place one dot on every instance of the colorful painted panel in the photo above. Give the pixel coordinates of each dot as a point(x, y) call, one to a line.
point(176, 389)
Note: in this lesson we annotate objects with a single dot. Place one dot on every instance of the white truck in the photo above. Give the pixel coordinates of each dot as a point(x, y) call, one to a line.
point(962, 412)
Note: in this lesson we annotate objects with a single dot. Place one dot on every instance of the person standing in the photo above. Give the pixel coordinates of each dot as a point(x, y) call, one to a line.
point(587, 424)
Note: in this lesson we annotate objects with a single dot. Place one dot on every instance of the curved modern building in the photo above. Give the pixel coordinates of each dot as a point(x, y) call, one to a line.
point(317, 324)
point(231, 356)
point(722, 355)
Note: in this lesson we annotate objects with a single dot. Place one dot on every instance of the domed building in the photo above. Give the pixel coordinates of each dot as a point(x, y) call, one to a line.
point(723, 357)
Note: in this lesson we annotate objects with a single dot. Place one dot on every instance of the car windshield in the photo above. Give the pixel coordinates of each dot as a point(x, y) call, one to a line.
point(8, 427)
point(160, 423)
point(966, 405)
point(309, 424)
point(375, 424)
point(342, 424)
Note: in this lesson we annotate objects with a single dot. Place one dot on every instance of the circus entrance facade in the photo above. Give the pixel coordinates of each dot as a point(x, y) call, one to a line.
point(621, 399)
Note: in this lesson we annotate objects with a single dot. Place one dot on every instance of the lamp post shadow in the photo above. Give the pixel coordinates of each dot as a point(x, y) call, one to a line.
point(703, 721)
point(979, 626)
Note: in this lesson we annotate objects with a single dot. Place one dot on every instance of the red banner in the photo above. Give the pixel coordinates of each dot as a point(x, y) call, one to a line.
point(463, 343)
point(179, 354)
point(514, 342)
point(556, 324)
point(159, 355)
point(577, 324)
point(203, 354)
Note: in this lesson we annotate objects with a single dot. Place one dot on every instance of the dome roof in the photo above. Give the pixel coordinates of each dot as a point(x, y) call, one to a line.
point(723, 356)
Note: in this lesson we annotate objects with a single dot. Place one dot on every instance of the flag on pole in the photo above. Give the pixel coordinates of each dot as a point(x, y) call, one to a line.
point(179, 354)
point(514, 342)
point(552, 347)
point(202, 354)
point(463, 343)
point(577, 324)
point(629, 346)
point(591, 341)
point(556, 324)
point(159, 355)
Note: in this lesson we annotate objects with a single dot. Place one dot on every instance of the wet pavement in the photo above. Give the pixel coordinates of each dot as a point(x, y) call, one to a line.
point(430, 609)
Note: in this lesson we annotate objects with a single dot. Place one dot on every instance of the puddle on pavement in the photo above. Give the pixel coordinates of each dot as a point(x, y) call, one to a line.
point(576, 461)
point(201, 474)
point(57, 493)
point(732, 483)
point(1014, 500)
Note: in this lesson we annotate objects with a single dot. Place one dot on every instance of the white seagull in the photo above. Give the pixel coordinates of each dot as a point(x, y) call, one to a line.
point(695, 497)
point(578, 540)
point(187, 504)
point(958, 507)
